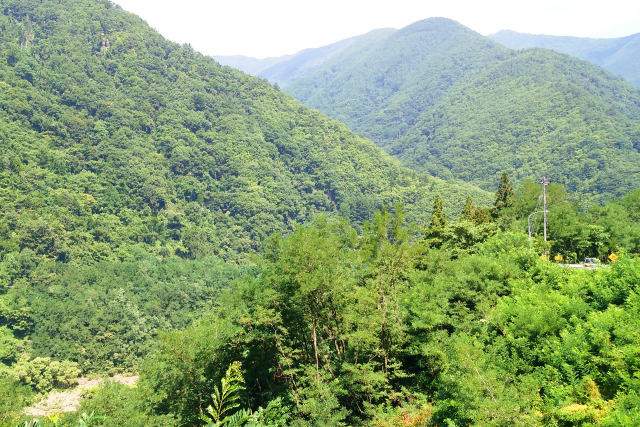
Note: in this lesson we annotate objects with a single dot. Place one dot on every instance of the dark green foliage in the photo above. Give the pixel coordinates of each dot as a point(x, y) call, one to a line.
point(105, 315)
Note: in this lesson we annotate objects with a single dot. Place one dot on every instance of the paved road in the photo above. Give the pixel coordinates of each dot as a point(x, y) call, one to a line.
point(592, 267)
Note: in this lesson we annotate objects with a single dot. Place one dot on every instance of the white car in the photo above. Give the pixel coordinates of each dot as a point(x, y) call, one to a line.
point(591, 262)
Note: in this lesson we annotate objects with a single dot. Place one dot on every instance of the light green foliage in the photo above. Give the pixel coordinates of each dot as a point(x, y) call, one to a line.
point(43, 374)
point(226, 399)
point(350, 329)
point(114, 404)
point(273, 415)
point(90, 419)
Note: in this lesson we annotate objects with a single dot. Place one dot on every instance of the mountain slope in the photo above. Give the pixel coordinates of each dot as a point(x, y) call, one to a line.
point(452, 102)
point(620, 55)
point(129, 166)
point(380, 90)
point(538, 113)
point(114, 138)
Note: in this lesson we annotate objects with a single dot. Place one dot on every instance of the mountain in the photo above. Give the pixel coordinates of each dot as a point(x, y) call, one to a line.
point(286, 69)
point(447, 100)
point(538, 113)
point(114, 138)
point(138, 176)
point(619, 55)
point(382, 89)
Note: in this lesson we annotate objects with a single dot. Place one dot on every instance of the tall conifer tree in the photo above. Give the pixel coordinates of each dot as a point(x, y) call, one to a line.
point(438, 216)
point(468, 210)
point(505, 196)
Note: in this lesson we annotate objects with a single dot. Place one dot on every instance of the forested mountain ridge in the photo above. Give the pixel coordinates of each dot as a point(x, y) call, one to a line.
point(381, 89)
point(131, 167)
point(450, 101)
point(538, 113)
point(104, 118)
point(619, 55)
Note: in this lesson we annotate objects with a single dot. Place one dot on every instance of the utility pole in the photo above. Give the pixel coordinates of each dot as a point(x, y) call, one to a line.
point(544, 181)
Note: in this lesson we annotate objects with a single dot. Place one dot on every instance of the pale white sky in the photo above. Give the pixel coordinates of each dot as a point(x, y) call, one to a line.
point(262, 28)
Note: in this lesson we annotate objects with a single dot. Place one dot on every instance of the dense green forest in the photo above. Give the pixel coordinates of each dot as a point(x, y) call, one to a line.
point(449, 322)
point(381, 86)
point(257, 263)
point(117, 132)
point(137, 177)
point(620, 55)
point(537, 113)
point(449, 101)
point(131, 167)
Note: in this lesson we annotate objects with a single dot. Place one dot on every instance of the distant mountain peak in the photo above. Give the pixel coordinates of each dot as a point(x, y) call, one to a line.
point(440, 24)
point(619, 55)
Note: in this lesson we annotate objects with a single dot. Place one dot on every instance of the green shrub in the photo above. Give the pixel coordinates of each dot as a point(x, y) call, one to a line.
point(43, 374)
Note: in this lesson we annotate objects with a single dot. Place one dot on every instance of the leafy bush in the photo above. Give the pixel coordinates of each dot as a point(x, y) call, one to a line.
point(43, 374)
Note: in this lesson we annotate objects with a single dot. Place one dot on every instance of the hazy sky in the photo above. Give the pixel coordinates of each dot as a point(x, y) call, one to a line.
point(263, 28)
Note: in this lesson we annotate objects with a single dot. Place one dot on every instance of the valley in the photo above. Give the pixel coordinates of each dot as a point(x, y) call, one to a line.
point(342, 240)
